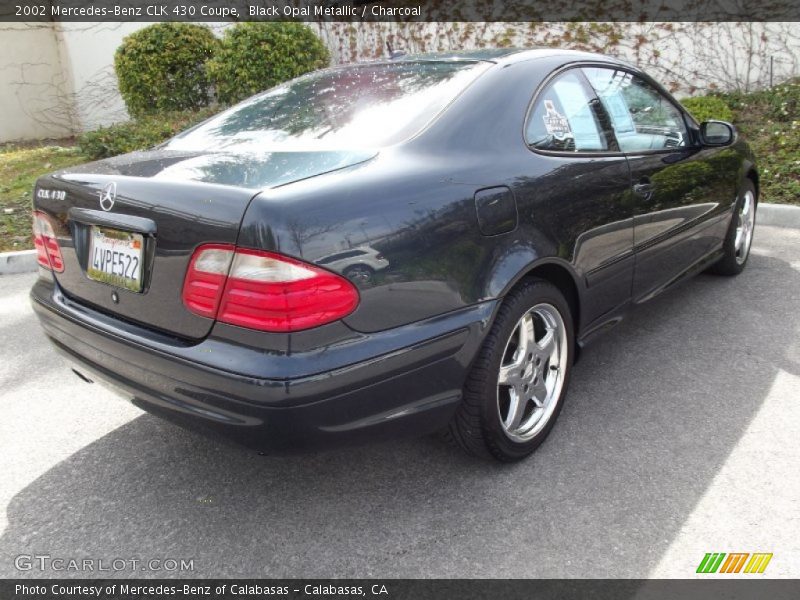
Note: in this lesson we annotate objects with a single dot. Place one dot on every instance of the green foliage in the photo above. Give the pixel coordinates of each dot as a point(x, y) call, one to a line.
point(253, 57)
point(708, 108)
point(779, 103)
point(162, 68)
point(138, 134)
point(770, 121)
point(20, 167)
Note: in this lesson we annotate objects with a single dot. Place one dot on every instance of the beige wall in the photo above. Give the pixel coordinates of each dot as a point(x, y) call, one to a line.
point(58, 79)
point(88, 52)
point(35, 90)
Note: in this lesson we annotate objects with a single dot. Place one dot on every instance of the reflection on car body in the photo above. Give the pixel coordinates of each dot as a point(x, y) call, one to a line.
point(357, 264)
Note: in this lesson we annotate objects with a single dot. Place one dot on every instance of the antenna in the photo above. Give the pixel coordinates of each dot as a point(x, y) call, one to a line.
point(392, 52)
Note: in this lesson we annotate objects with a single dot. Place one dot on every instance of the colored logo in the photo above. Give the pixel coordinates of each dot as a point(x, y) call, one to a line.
point(734, 562)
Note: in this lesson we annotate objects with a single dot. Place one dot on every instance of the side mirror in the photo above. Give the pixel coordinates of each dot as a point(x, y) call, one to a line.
point(717, 133)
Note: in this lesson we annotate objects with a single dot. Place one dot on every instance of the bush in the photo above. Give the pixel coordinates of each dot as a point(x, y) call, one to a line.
point(708, 108)
point(253, 57)
point(162, 68)
point(779, 103)
point(139, 134)
point(768, 120)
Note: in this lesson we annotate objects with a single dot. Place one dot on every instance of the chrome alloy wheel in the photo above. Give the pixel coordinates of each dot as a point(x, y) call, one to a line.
point(532, 372)
point(745, 224)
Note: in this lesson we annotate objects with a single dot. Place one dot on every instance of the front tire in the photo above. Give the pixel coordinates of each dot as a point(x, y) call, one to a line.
point(517, 384)
point(739, 239)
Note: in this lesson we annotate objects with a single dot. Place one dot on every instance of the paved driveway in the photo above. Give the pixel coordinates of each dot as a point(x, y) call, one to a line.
point(679, 437)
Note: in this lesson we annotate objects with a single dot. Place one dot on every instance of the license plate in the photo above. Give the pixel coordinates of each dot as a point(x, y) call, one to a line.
point(115, 258)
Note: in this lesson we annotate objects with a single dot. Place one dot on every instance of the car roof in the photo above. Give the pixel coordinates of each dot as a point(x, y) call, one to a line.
point(496, 56)
point(504, 55)
point(485, 54)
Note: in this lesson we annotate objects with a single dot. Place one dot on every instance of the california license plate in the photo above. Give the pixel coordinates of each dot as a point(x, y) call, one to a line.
point(115, 257)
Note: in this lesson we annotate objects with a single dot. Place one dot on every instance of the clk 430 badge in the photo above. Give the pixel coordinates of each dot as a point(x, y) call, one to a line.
point(45, 194)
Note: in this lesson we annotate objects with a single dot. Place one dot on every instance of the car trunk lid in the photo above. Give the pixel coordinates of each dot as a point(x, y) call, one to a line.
point(158, 206)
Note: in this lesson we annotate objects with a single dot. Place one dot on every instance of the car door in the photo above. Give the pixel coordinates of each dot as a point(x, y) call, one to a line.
point(676, 192)
point(579, 191)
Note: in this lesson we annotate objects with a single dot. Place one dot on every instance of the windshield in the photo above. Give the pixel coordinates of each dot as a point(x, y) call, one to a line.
point(363, 106)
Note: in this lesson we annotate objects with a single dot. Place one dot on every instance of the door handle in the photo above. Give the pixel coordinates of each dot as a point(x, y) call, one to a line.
point(644, 188)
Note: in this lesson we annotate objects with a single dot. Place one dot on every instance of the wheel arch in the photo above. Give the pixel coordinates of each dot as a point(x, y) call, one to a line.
point(752, 175)
point(561, 275)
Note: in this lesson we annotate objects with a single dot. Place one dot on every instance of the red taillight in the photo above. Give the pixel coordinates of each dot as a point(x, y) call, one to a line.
point(48, 252)
point(264, 291)
point(205, 279)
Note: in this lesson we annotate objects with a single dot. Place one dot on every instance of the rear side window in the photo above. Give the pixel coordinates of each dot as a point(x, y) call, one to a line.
point(361, 106)
point(565, 118)
point(642, 117)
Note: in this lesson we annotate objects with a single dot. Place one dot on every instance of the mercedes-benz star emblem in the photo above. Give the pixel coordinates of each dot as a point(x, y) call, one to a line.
point(107, 196)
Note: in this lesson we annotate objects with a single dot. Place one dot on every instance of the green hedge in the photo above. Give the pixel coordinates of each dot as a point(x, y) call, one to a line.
point(770, 120)
point(138, 134)
point(708, 108)
point(253, 57)
point(780, 103)
point(162, 68)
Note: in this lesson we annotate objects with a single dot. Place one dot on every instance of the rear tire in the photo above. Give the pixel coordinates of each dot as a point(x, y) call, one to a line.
point(739, 239)
point(516, 386)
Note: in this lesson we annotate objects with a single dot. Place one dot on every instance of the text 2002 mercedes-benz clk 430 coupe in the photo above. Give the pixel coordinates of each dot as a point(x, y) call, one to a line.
point(391, 248)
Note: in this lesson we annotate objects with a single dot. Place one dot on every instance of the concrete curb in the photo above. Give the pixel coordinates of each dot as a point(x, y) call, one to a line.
point(22, 261)
point(778, 215)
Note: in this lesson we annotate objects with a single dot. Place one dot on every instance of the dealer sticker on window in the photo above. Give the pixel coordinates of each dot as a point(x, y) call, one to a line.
point(555, 123)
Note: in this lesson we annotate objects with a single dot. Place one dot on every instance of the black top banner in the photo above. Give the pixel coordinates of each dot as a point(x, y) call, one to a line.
point(355, 11)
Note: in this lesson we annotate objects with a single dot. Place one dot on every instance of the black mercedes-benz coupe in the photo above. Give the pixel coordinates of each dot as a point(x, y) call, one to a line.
point(391, 248)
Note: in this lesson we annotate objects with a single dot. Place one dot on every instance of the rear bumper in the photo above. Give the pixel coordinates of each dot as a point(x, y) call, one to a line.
point(410, 384)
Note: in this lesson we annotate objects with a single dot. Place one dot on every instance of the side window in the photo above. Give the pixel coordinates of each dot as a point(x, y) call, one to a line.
point(642, 117)
point(564, 117)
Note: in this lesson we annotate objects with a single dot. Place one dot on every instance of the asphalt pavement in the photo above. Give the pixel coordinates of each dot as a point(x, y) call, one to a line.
point(679, 437)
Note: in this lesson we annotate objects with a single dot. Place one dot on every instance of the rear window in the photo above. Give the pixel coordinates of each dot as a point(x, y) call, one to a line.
point(362, 106)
